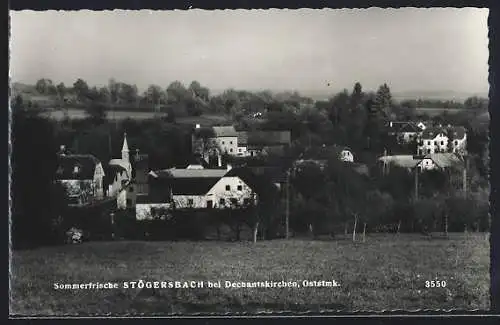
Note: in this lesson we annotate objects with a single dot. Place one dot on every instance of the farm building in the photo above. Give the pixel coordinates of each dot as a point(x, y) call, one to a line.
point(255, 143)
point(199, 188)
point(427, 162)
point(82, 177)
point(218, 140)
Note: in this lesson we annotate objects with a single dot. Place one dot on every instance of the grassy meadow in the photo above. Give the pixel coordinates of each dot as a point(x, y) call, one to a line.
point(387, 272)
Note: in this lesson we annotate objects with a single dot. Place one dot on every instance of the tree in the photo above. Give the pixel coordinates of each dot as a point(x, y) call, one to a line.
point(383, 100)
point(61, 90)
point(154, 95)
point(128, 93)
point(476, 103)
point(114, 91)
point(177, 92)
point(199, 92)
point(104, 95)
point(32, 184)
point(81, 89)
point(43, 85)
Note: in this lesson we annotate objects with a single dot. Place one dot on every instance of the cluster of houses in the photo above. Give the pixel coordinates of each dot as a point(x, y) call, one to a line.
point(437, 146)
point(202, 184)
point(210, 182)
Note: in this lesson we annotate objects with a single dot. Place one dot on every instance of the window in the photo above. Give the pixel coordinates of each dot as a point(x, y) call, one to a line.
point(131, 189)
point(231, 150)
point(240, 187)
point(239, 149)
point(429, 142)
point(228, 188)
point(190, 202)
point(129, 202)
point(209, 204)
point(76, 169)
point(456, 142)
point(246, 201)
point(442, 142)
point(222, 142)
point(222, 201)
point(234, 201)
point(230, 142)
point(428, 150)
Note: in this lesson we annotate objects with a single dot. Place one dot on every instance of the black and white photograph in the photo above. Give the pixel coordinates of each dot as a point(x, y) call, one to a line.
point(248, 162)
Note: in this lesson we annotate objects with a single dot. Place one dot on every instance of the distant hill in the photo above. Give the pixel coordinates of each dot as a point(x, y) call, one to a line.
point(437, 95)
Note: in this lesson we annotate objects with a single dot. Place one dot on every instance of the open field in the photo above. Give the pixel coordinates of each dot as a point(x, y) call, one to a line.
point(384, 273)
point(138, 115)
point(438, 111)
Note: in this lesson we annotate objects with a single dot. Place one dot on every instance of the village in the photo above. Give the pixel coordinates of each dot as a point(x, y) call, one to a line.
point(225, 170)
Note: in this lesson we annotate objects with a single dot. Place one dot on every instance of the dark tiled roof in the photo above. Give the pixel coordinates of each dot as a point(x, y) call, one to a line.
point(190, 173)
point(453, 132)
point(192, 185)
point(225, 131)
point(409, 127)
point(67, 163)
point(264, 138)
point(258, 183)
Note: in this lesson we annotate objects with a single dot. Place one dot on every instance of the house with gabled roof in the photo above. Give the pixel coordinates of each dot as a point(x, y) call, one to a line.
point(82, 177)
point(442, 139)
point(405, 132)
point(199, 188)
point(425, 162)
point(255, 143)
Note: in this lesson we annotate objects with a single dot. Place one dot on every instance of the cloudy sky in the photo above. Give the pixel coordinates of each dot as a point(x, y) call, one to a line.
point(410, 49)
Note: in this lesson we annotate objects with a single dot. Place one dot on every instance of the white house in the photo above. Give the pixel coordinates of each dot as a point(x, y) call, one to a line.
point(425, 162)
point(82, 177)
point(203, 188)
point(346, 155)
point(442, 139)
point(405, 131)
point(421, 125)
point(226, 139)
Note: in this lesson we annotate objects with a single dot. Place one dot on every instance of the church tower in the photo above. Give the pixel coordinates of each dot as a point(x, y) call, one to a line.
point(125, 151)
point(126, 156)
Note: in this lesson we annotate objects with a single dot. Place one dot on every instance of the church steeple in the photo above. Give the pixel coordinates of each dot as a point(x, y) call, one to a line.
point(125, 151)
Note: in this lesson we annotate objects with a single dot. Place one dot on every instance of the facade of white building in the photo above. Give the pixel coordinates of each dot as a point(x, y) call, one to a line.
point(346, 155)
point(441, 140)
point(204, 188)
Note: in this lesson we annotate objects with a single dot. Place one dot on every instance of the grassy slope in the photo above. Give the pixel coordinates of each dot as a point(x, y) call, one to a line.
point(384, 273)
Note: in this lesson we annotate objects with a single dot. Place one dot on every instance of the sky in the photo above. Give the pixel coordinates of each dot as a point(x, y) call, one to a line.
point(307, 50)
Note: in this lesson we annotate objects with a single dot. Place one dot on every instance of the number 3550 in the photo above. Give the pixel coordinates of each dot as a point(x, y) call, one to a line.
point(435, 284)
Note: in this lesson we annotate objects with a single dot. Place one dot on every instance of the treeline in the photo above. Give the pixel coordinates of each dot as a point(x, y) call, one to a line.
point(354, 118)
point(195, 99)
point(474, 103)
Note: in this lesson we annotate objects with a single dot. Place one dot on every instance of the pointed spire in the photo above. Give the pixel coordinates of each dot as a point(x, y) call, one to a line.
point(125, 151)
point(125, 144)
